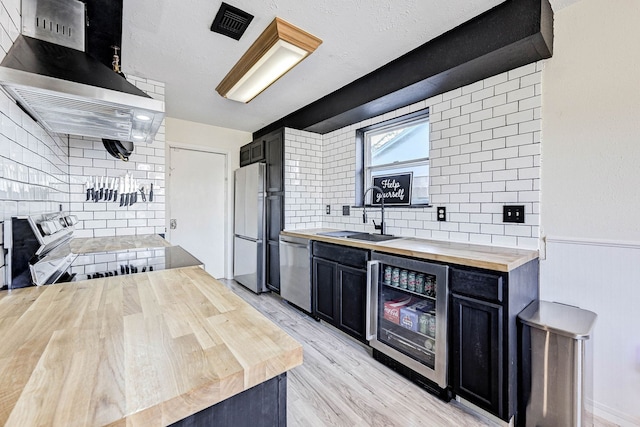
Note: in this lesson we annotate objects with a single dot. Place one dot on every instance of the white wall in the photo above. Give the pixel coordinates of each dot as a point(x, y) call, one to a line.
point(590, 177)
point(183, 133)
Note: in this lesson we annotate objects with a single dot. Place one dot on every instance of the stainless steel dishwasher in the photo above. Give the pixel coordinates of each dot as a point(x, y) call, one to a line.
point(295, 271)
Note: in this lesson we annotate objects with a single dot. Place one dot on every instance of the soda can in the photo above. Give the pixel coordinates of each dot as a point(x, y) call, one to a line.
point(403, 279)
point(395, 277)
point(420, 283)
point(423, 323)
point(429, 286)
point(411, 281)
point(387, 275)
point(431, 324)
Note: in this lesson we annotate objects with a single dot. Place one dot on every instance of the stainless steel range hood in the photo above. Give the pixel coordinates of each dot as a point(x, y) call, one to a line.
point(66, 90)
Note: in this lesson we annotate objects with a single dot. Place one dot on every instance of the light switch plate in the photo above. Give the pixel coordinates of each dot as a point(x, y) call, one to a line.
point(346, 211)
point(441, 213)
point(513, 213)
point(328, 209)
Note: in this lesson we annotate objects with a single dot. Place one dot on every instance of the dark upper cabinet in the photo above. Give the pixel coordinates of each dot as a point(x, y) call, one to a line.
point(252, 152)
point(274, 148)
point(483, 341)
point(257, 151)
point(339, 287)
point(245, 155)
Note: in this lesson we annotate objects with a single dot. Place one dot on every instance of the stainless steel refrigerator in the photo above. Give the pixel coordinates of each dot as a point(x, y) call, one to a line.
point(249, 254)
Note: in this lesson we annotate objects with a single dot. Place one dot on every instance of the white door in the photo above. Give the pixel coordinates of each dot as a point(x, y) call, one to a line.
point(197, 203)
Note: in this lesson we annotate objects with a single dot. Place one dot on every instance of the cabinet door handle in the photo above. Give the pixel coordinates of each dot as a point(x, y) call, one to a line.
point(371, 321)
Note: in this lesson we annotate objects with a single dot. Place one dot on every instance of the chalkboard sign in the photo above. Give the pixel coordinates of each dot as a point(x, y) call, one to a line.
point(396, 189)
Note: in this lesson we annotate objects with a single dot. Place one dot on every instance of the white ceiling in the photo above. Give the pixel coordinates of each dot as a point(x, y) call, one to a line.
point(170, 41)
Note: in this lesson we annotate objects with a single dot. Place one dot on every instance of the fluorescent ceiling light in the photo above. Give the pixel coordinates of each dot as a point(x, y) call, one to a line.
point(278, 49)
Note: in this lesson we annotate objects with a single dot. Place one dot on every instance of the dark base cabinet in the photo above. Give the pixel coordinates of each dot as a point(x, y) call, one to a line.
point(340, 287)
point(352, 300)
point(483, 341)
point(477, 350)
point(324, 289)
point(264, 405)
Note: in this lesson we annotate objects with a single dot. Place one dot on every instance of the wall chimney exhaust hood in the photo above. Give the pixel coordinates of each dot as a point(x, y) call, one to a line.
point(66, 90)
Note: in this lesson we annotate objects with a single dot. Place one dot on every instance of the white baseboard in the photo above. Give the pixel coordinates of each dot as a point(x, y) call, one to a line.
point(618, 418)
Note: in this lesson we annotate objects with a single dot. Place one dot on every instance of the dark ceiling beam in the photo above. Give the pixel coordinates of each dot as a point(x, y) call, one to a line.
point(512, 34)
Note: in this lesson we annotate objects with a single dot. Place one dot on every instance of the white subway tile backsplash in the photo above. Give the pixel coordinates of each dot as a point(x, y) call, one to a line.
point(522, 71)
point(107, 218)
point(494, 101)
point(484, 153)
point(525, 92)
point(473, 87)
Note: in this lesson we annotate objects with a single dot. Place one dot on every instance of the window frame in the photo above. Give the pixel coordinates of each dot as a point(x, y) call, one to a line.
point(363, 153)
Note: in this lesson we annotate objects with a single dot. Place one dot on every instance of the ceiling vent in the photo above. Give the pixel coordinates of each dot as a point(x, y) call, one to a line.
point(231, 21)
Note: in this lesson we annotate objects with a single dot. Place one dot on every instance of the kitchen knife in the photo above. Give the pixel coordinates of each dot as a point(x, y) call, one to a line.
point(116, 184)
point(95, 189)
point(101, 185)
point(88, 186)
point(130, 191)
point(92, 188)
point(134, 191)
point(121, 188)
point(126, 190)
point(151, 193)
point(108, 192)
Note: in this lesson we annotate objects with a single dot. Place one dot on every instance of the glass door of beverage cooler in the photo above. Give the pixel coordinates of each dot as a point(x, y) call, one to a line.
point(407, 313)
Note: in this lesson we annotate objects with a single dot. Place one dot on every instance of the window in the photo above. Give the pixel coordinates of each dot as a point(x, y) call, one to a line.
point(395, 147)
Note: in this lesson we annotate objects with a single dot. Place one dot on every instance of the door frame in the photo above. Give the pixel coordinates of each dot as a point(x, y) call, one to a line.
point(228, 192)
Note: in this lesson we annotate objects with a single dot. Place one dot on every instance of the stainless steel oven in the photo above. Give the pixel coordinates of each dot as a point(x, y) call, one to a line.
point(39, 253)
point(407, 313)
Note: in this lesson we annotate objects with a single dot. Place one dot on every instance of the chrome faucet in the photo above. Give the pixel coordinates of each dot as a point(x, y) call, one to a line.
point(364, 208)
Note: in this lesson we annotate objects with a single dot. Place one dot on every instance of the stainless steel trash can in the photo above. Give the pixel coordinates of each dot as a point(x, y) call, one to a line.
point(558, 348)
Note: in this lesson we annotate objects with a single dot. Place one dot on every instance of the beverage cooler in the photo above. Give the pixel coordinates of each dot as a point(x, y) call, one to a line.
point(407, 313)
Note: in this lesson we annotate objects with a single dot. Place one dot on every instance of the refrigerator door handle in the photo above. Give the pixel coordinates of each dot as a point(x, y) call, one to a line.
point(371, 322)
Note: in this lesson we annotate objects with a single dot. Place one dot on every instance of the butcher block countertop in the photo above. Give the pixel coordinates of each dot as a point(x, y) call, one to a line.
point(146, 349)
point(87, 245)
point(480, 256)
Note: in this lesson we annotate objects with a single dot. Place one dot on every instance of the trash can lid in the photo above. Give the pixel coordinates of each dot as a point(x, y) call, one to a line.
point(566, 320)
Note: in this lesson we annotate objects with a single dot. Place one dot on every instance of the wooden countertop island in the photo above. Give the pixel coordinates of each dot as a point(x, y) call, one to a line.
point(87, 245)
point(147, 349)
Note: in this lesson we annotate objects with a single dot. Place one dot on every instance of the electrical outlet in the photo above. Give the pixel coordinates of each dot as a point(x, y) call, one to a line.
point(328, 209)
point(513, 213)
point(346, 211)
point(441, 213)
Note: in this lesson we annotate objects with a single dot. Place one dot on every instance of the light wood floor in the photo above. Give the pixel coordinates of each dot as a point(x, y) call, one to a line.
point(340, 384)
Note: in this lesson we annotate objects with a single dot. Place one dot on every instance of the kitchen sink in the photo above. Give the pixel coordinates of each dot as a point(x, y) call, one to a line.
point(371, 237)
point(341, 233)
